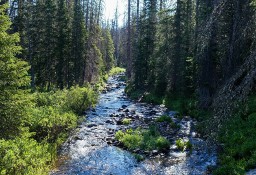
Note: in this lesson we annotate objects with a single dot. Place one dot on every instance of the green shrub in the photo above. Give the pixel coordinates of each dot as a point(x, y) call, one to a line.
point(24, 155)
point(164, 118)
point(76, 99)
point(126, 121)
point(116, 70)
point(131, 138)
point(48, 122)
point(79, 99)
point(143, 139)
point(183, 145)
point(139, 157)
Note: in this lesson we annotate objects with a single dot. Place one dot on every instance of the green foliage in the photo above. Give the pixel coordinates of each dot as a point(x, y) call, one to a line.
point(13, 79)
point(239, 144)
point(143, 139)
point(164, 118)
point(139, 157)
point(183, 145)
point(116, 70)
point(76, 99)
point(24, 155)
point(79, 99)
point(108, 52)
point(126, 121)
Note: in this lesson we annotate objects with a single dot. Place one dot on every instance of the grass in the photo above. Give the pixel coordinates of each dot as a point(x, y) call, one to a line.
point(166, 118)
point(239, 143)
point(126, 121)
point(147, 140)
point(183, 145)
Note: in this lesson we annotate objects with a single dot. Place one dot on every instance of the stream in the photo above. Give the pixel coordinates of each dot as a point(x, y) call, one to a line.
point(92, 149)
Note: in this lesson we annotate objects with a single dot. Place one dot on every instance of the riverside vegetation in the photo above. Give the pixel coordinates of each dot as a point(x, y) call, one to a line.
point(196, 57)
point(36, 121)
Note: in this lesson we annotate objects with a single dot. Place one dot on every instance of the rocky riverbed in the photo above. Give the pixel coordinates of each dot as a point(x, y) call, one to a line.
point(92, 149)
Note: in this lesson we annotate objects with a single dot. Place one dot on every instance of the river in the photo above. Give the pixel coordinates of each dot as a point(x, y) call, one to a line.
point(91, 149)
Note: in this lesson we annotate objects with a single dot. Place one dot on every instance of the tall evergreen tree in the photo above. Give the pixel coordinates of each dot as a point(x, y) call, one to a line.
point(14, 78)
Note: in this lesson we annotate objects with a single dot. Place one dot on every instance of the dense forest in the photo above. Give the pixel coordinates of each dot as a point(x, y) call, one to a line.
point(194, 56)
point(198, 57)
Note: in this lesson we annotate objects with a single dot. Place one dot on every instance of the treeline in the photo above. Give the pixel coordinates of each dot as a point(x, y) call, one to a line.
point(189, 49)
point(54, 56)
point(198, 56)
point(63, 41)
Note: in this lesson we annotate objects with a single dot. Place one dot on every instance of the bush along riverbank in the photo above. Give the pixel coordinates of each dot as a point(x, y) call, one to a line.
point(46, 124)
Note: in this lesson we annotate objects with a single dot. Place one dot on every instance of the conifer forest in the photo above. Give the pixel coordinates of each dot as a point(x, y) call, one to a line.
point(163, 87)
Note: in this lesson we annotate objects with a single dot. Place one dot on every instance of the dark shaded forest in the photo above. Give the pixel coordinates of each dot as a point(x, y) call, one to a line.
point(196, 57)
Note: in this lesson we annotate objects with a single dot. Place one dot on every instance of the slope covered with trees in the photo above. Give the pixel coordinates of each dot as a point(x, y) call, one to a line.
point(198, 57)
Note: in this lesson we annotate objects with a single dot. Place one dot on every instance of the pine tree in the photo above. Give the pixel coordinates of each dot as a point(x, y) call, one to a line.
point(144, 64)
point(63, 51)
point(79, 40)
point(13, 78)
point(109, 49)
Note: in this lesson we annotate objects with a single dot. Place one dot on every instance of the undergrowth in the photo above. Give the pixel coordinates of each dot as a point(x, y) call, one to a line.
point(44, 128)
point(239, 144)
point(143, 139)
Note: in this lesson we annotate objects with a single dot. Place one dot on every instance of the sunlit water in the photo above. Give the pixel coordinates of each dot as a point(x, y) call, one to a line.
point(88, 153)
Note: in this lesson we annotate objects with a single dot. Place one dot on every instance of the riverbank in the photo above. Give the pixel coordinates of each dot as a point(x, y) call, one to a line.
point(94, 149)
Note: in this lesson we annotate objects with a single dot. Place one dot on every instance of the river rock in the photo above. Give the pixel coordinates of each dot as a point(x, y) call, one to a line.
point(155, 152)
point(119, 122)
point(133, 112)
point(124, 106)
point(152, 112)
point(120, 109)
point(77, 137)
point(91, 125)
point(108, 121)
point(126, 110)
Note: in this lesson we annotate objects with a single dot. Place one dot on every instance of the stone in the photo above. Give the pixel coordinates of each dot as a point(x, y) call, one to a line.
point(126, 110)
point(119, 122)
point(108, 121)
point(133, 112)
point(120, 109)
point(77, 138)
point(124, 106)
point(91, 125)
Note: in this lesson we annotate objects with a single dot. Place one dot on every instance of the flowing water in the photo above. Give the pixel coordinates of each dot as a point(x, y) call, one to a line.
point(91, 151)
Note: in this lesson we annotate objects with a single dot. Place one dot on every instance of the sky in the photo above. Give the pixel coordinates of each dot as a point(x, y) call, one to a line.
point(110, 7)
